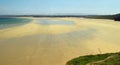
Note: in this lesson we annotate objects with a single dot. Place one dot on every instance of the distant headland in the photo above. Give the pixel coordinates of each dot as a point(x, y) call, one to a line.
point(115, 17)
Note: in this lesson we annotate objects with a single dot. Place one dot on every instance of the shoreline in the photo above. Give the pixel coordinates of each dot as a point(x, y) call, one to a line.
point(56, 44)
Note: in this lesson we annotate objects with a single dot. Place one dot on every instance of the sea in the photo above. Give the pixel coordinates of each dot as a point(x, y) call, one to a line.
point(12, 22)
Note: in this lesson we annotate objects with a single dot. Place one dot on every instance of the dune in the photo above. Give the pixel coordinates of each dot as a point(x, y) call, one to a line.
point(38, 44)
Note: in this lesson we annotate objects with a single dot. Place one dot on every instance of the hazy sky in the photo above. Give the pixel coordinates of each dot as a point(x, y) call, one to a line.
point(18, 7)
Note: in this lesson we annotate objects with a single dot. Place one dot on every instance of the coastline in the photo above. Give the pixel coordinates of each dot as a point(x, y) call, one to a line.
point(56, 44)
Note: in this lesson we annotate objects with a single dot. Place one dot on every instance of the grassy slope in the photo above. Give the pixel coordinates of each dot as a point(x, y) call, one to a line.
point(94, 60)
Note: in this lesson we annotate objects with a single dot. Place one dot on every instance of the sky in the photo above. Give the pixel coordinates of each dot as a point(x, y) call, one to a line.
point(45, 7)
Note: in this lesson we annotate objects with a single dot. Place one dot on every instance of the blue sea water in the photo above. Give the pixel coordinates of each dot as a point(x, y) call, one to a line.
point(12, 22)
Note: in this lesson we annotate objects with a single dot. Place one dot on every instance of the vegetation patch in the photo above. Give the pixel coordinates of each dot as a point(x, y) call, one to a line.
point(99, 59)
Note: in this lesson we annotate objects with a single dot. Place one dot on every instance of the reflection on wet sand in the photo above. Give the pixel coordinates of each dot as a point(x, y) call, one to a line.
point(56, 44)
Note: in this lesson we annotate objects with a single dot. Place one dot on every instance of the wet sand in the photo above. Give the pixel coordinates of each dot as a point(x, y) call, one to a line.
point(38, 44)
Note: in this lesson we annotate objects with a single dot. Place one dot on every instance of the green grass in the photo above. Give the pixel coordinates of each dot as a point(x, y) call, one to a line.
point(112, 61)
point(83, 60)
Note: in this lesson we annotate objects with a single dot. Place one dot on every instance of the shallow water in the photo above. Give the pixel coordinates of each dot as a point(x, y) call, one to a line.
point(54, 22)
point(12, 22)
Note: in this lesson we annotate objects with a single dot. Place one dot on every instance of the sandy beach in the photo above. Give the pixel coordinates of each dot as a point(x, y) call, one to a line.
point(54, 43)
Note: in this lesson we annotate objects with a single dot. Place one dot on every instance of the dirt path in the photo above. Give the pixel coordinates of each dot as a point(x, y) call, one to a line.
point(96, 62)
